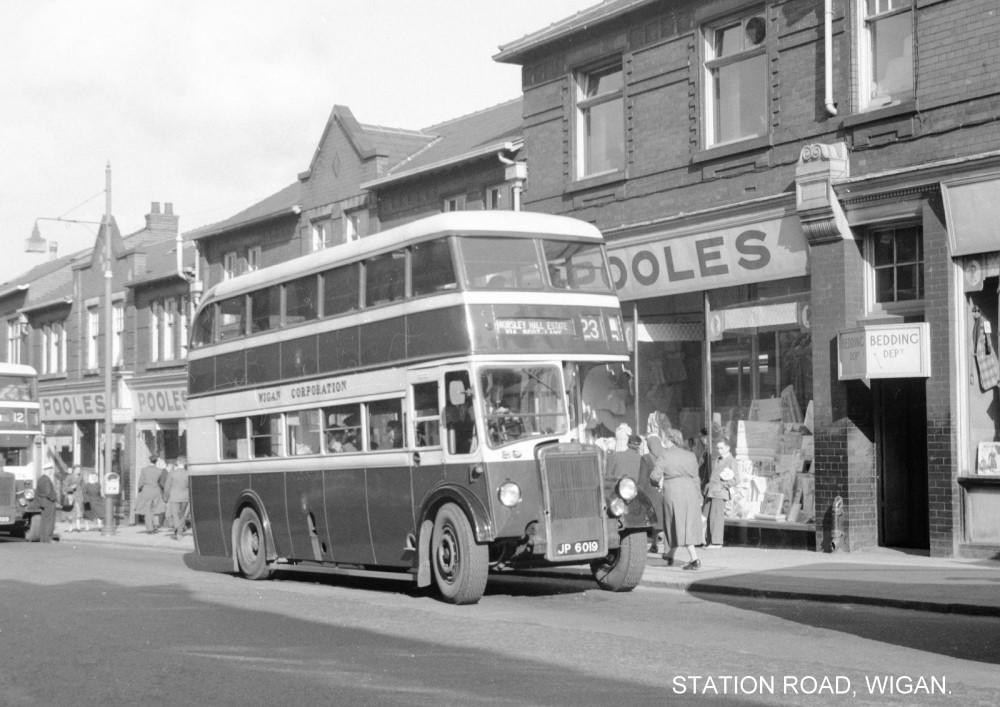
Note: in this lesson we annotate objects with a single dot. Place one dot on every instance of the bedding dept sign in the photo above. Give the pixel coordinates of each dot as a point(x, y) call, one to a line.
point(677, 262)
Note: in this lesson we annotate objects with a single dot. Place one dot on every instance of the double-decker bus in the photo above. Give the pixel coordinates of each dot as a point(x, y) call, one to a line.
point(20, 446)
point(409, 403)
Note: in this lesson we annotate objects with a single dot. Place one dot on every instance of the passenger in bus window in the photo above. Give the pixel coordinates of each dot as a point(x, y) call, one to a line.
point(393, 434)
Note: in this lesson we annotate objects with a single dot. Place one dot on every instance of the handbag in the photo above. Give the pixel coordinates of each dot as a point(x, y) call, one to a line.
point(986, 360)
point(67, 501)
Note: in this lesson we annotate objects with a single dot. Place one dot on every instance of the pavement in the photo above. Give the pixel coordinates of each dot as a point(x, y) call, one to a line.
point(877, 576)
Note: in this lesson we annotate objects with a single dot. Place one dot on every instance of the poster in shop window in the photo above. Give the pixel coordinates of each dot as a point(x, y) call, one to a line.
point(988, 458)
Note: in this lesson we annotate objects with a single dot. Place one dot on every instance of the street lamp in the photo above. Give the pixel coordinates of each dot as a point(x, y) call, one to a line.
point(37, 244)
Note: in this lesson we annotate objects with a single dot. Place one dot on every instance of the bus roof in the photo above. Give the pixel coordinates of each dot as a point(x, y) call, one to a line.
point(16, 369)
point(515, 224)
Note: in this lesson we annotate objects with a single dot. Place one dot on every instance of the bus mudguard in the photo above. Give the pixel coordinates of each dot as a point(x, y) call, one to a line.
point(640, 512)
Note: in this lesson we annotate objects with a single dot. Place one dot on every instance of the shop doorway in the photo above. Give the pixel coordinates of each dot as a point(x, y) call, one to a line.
point(901, 441)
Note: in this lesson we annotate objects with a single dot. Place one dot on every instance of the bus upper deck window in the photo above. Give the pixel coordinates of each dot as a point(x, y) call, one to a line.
point(265, 309)
point(501, 263)
point(385, 278)
point(232, 318)
point(301, 300)
point(341, 289)
point(576, 266)
point(431, 267)
point(204, 327)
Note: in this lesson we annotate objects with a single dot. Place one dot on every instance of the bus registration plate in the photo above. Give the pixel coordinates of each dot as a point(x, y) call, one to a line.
point(581, 547)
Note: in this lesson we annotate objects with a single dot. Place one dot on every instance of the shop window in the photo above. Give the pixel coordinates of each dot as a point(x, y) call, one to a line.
point(896, 260)
point(735, 99)
point(885, 52)
point(600, 121)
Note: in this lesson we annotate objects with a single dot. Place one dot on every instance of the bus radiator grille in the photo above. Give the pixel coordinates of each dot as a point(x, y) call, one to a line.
point(574, 486)
point(7, 490)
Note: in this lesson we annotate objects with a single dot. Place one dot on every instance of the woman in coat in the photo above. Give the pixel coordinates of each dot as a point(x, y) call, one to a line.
point(676, 473)
point(149, 502)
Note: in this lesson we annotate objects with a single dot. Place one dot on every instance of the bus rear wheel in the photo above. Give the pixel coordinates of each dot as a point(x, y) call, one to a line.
point(251, 548)
point(621, 570)
point(460, 563)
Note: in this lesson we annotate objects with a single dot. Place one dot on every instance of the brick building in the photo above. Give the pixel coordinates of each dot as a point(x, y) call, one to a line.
point(798, 199)
point(55, 322)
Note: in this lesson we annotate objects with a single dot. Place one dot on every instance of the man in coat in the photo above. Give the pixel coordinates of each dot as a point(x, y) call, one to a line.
point(47, 500)
point(175, 492)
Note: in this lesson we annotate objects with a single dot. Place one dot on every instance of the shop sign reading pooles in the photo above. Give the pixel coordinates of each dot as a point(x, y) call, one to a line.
point(727, 255)
point(884, 351)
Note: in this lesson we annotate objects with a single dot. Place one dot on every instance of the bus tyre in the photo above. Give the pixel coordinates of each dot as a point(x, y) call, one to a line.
point(622, 569)
point(251, 546)
point(460, 564)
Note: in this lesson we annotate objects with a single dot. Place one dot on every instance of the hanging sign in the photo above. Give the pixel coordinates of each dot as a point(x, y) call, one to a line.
point(884, 351)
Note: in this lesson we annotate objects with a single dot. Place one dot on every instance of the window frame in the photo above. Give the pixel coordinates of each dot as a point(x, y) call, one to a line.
point(583, 107)
point(92, 357)
point(866, 26)
point(712, 62)
point(895, 306)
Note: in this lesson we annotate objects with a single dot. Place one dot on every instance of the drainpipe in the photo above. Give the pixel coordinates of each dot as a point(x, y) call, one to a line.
point(831, 107)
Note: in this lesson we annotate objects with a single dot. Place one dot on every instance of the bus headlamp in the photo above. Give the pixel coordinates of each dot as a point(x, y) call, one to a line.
point(627, 489)
point(509, 494)
point(29, 494)
point(616, 507)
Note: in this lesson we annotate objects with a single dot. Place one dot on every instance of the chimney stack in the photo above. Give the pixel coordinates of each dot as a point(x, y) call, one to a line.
point(165, 223)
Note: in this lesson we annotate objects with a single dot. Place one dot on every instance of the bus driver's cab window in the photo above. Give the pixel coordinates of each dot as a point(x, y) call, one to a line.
point(459, 414)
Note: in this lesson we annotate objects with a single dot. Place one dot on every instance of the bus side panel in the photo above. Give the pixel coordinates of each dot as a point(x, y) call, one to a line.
point(211, 533)
point(390, 504)
point(305, 511)
point(270, 487)
point(347, 516)
point(231, 487)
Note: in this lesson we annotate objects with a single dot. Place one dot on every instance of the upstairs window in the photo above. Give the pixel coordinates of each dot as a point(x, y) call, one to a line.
point(896, 258)
point(230, 265)
point(735, 79)
point(254, 258)
point(454, 203)
point(321, 235)
point(600, 121)
point(886, 52)
point(93, 327)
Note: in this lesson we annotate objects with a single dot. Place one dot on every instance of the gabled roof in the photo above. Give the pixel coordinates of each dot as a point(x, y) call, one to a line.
point(369, 141)
point(513, 52)
point(282, 203)
point(482, 133)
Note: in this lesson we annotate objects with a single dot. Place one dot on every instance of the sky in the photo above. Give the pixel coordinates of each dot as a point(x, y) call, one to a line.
point(212, 105)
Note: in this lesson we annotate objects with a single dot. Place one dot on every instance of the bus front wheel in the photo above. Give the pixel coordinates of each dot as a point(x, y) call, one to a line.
point(460, 564)
point(621, 570)
point(251, 548)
